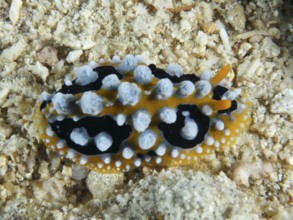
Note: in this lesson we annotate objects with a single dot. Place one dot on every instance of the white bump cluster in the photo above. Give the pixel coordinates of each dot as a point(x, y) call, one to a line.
point(49, 131)
point(127, 65)
point(164, 89)
point(110, 82)
point(107, 159)
point(207, 110)
point(190, 129)
point(229, 95)
point(232, 95)
point(127, 153)
point(137, 162)
point(103, 141)
point(227, 132)
point(85, 75)
point(143, 74)
point(79, 136)
point(147, 139)
point(45, 96)
point(71, 154)
point(115, 59)
point(141, 120)
point(219, 125)
point(206, 75)
point(168, 115)
point(93, 64)
point(209, 140)
point(174, 69)
point(161, 149)
point(185, 88)
point(120, 119)
point(203, 88)
point(60, 144)
point(128, 93)
point(174, 153)
point(64, 103)
point(118, 163)
point(91, 103)
point(198, 149)
point(83, 160)
point(67, 82)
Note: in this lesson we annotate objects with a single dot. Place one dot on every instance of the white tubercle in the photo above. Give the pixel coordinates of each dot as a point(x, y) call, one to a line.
point(137, 162)
point(79, 136)
point(147, 158)
point(203, 88)
point(190, 129)
point(168, 115)
point(164, 89)
point(60, 117)
point(103, 141)
point(129, 93)
point(227, 132)
point(120, 119)
point(49, 131)
point(60, 144)
point(206, 75)
point(185, 88)
point(209, 140)
point(207, 110)
point(118, 163)
point(83, 160)
point(147, 139)
point(115, 59)
point(85, 75)
point(70, 154)
point(76, 118)
point(158, 160)
point(174, 153)
point(67, 82)
point(45, 96)
point(198, 149)
point(219, 125)
point(91, 103)
point(106, 159)
point(174, 69)
point(64, 103)
point(127, 65)
point(127, 153)
point(161, 149)
point(229, 95)
point(93, 64)
point(141, 120)
point(110, 82)
point(143, 74)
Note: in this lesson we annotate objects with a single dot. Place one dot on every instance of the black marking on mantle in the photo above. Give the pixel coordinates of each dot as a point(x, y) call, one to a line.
point(161, 74)
point(171, 132)
point(103, 71)
point(93, 125)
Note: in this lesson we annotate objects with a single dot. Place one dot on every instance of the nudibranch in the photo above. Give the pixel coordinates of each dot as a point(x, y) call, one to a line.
point(120, 115)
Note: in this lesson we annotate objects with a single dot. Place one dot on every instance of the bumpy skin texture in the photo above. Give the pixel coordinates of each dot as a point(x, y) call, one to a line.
point(200, 122)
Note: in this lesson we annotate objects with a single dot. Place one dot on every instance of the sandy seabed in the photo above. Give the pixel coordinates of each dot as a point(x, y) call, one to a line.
point(41, 42)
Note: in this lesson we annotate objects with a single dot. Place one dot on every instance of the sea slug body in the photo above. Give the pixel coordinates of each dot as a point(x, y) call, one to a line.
point(118, 116)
